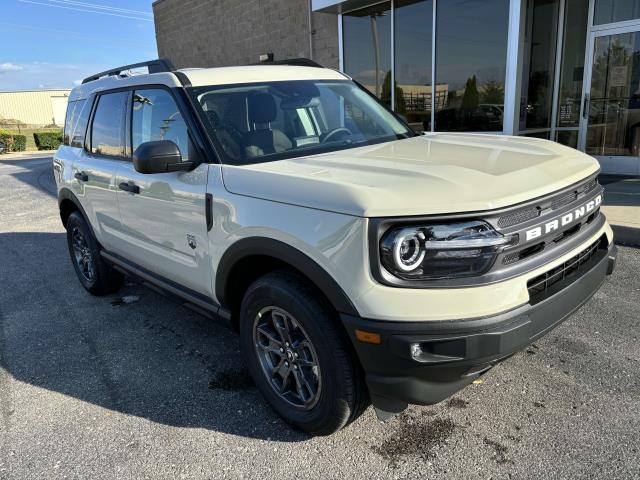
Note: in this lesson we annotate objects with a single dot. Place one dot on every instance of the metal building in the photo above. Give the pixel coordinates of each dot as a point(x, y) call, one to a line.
point(38, 108)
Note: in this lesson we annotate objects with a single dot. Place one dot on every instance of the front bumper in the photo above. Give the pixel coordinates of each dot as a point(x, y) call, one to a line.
point(456, 352)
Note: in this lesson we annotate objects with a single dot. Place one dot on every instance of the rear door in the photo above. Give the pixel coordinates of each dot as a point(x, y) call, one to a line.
point(103, 150)
point(164, 228)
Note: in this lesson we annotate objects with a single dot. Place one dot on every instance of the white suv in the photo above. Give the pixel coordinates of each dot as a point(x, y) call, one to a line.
point(358, 260)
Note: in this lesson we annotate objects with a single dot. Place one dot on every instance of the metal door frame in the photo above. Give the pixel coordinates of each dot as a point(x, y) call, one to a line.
point(597, 31)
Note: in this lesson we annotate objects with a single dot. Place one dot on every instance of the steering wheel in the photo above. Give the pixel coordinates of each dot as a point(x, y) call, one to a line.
point(335, 132)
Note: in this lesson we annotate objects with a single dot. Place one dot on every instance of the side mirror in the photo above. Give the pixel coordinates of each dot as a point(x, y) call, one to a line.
point(161, 156)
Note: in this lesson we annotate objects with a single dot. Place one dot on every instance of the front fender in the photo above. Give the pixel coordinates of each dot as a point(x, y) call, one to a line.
point(281, 251)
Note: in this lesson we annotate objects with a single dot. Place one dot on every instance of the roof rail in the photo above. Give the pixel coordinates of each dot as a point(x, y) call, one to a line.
point(298, 62)
point(154, 66)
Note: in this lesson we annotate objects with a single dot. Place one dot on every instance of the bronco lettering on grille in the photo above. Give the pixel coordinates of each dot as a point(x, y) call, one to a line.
point(564, 220)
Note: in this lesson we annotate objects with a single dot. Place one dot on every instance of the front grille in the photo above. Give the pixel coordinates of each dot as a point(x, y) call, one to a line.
point(511, 258)
point(519, 216)
point(553, 202)
point(590, 186)
point(575, 266)
point(563, 200)
point(522, 254)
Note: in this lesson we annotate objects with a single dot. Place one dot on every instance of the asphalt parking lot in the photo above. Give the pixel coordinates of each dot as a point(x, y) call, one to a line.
point(136, 386)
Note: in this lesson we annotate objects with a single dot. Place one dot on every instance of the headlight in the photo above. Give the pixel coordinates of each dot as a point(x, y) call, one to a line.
point(427, 252)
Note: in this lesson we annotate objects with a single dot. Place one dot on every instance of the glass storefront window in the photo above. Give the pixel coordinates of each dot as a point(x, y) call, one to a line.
point(614, 112)
point(543, 135)
point(539, 62)
point(572, 67)
point(367, 48)
point(413, 39)
point(471, 55)
point(471, 41)
point(567, 137)
point(609, 11)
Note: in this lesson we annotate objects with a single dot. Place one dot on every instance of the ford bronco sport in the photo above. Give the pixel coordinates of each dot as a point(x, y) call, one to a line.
point(359, 261)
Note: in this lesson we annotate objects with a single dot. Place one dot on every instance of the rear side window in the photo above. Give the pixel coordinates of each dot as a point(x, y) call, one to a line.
point(157, 117)
point(69, 121)
point(79, 125)
point(107, 130)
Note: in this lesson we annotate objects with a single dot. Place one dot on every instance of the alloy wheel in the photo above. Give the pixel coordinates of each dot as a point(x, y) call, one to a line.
point(287, 357)
point(82, 254)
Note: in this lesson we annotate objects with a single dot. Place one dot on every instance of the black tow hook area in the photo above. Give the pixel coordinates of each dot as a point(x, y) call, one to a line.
point(613, 256)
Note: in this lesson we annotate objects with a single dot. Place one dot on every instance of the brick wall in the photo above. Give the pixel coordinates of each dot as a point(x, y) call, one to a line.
point(213, 33)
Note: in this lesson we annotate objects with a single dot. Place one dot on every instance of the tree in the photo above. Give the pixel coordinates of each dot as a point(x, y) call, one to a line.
point(386, 94)
point(471, 97)
point(493, 93)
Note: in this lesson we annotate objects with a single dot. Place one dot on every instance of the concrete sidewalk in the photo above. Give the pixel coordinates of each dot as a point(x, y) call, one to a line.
point(27, 155)
point(622, 207)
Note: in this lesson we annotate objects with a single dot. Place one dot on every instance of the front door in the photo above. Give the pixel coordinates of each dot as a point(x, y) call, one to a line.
point(610, 124)
point(164, 227)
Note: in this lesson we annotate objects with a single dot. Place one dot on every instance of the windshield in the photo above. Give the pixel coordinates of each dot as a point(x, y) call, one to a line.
point(269, 121)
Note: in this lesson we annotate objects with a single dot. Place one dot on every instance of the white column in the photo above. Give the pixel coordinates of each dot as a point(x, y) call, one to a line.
point(340, 44)
point(393, 56)
point(513, 77)
point(433, 64)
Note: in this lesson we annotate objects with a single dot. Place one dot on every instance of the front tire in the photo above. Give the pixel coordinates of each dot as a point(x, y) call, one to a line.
point(95, 275)
point(300, 359)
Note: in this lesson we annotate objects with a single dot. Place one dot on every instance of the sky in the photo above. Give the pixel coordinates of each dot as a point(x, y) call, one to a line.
point(57, 43)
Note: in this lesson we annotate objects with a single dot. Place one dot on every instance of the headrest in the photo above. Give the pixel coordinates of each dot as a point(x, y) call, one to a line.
point(213, 117)
point(262, 108)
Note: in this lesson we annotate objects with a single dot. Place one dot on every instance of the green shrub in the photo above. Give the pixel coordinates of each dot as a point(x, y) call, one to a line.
point(13, 142)
point(48, 140)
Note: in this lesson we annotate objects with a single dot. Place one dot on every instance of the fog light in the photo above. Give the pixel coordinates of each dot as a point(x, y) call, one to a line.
point(416, 351)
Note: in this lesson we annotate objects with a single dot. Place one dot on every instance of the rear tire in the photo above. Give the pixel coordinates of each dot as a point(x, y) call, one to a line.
point(95, 275)
point(299, 357)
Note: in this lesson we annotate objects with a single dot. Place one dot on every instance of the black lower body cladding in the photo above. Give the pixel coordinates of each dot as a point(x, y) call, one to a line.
point(454, 353)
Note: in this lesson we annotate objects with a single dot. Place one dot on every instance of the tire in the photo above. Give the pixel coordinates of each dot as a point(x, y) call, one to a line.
point(95, 275)
point(316, 338)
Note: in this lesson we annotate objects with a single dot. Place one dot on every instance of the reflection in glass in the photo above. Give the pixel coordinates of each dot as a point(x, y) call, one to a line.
point(77, 137)
point(471, 43)
point(72, 114)
point(609, 11)
point(568, 138)
point(157, 117)
point(413, 32)
point(572, 68)
point(539, 61)
point(543, 135)
point(107, 134)
point(367, 48)
point(614, 112)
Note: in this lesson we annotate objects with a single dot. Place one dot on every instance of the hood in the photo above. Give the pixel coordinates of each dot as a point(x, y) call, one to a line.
point(431, 174)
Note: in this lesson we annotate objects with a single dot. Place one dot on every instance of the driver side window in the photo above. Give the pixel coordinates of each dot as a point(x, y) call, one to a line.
point(157, 117)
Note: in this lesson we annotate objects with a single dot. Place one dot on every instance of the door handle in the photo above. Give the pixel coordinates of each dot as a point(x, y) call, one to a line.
point(83, 177)
point(129, 187)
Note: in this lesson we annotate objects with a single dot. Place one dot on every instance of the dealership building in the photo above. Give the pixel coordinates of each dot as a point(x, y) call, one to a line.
point(564, 70)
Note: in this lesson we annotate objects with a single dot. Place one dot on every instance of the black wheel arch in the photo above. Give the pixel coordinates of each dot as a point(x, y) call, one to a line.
point(69, 203)
point(269, 254)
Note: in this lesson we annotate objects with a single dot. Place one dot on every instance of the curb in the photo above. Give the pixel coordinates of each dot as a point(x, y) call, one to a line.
point(628, 236)
point(27, 154)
